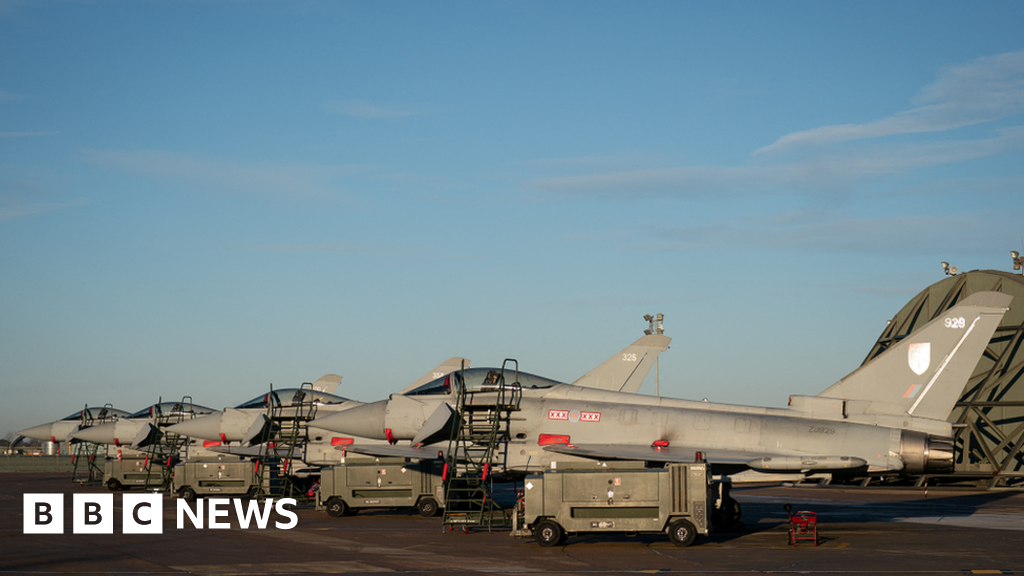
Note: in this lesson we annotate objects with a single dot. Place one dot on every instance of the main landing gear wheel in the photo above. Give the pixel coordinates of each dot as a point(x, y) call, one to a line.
point(682, 533)
point(336, 507)
point(548, 533)
point(728, 516)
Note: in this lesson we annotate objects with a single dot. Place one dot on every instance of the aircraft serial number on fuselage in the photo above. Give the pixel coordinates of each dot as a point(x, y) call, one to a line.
point(821, 430)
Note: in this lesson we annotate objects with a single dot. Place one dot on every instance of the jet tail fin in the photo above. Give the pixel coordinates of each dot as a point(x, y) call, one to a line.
point(327, 383)
point(448, 366)
point(626, 371)
point(925, 373)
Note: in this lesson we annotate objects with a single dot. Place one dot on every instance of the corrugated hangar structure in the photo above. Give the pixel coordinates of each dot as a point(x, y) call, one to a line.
point(989, 417)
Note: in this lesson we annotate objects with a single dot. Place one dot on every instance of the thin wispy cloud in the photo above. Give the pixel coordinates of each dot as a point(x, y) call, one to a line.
point(577, 162)
point(13, 210)
point(289, 179)
point(399, 252)
point(982, 90)
point(24, 134)
point(362, 109)
point(349, 248)
point(993, 186)
point(827, 170)
point(831, 232)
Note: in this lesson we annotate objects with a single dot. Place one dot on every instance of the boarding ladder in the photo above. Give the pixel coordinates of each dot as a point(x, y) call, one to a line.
point(282, 444)
point(169, 448)
point(84, 467)
point(478, 444)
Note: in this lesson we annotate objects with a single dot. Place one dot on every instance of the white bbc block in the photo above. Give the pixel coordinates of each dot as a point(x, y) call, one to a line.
point(43, 514)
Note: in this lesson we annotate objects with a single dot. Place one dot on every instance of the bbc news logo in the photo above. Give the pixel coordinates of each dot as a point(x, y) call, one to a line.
point(144, 513)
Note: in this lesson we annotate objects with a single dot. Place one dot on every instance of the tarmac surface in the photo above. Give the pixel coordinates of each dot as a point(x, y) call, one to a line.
point(862, 531)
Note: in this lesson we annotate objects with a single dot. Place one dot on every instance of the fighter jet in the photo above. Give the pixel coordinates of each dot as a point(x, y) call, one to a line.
point(248, 422)
point(888, 416)
point(142, 428)
point(243, 429)
point(423, 411)
point(60, 430)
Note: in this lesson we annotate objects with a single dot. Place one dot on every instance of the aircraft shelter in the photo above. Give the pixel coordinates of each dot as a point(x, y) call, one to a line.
point(989, 447)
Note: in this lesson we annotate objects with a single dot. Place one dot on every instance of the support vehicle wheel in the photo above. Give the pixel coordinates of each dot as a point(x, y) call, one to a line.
point(113, 485)
point(336, 507)
point(548, 533)
point(682, 533)
point(188, 494)
point(428, 507)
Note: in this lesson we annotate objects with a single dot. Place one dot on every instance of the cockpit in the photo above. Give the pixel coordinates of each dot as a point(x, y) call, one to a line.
point(172, 409)
point(293, 397)
point(97, 414)
point(482, 380)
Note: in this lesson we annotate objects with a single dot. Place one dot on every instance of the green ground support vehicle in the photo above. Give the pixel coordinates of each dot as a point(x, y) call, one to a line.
point(229, 476)
point(131, 472)
point(624, 498)
point(381, 483)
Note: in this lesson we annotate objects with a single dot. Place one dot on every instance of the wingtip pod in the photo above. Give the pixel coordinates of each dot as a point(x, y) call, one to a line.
point(924, 374)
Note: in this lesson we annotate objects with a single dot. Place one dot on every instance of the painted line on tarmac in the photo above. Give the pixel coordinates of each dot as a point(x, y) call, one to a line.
point(333, 568)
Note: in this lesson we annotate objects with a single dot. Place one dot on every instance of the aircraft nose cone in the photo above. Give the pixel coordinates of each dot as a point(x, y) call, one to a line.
point(205, 427)
point(102, 434)
point(366, 420)
point(40, 432)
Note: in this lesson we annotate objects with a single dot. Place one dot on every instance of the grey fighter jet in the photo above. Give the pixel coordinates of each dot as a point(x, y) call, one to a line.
point(142, 428)
point(61, 430)
point(624, 371)
point(241, 430)
point(888, 416)
point(420, 413)
point(248, 422)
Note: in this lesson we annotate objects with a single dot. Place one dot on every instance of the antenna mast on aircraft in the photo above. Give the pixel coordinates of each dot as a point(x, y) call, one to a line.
point(657, 326)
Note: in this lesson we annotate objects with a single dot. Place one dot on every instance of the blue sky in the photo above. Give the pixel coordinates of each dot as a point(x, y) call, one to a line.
point(206, 197)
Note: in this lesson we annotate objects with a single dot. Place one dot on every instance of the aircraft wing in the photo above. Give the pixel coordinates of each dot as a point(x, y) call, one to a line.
point(651, 454)
point(251, 451)
point(404, 450)
point(238, 450)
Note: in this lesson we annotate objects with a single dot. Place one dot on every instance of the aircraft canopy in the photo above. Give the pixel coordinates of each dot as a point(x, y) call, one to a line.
point(292, 397)
point(481, 380)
